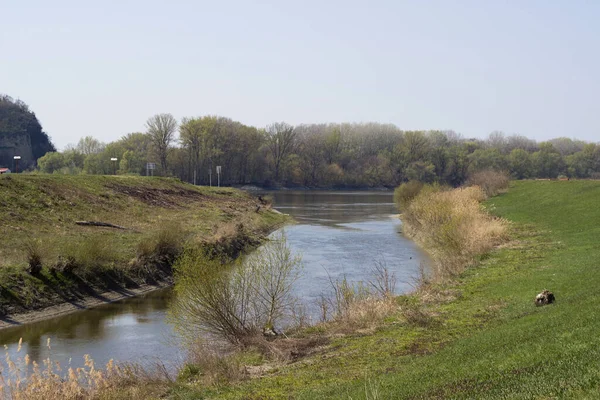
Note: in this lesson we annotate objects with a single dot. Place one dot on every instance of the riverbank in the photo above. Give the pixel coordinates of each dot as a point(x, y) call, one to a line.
point(86, 303)
point(71, 242)
point(482, 337)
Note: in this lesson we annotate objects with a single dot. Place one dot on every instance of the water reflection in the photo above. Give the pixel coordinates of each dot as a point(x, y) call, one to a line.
point(334, 208)
point(132, 329)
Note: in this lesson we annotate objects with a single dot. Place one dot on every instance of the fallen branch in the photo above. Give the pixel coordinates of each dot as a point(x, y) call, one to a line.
point(97, 223)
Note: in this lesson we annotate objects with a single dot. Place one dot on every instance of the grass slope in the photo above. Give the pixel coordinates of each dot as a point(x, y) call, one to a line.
point(487, 339)
point(40, 211)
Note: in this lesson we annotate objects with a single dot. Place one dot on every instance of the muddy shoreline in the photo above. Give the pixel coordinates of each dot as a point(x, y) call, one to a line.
point(86, 303)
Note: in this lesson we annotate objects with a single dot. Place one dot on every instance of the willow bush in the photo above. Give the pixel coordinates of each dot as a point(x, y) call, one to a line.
point(239, 301)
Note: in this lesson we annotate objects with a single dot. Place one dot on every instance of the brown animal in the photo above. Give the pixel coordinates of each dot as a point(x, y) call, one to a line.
point(546, 297)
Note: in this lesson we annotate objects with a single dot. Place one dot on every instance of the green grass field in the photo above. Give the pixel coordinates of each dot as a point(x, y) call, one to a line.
point(487, 339)
point(41, 211)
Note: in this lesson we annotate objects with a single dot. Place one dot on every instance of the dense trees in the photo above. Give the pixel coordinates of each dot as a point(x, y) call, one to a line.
point(322, 155)
point(21, 134)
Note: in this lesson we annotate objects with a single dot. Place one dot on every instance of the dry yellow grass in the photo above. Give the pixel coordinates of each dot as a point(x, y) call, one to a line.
point(23, 379)
point(453, 227)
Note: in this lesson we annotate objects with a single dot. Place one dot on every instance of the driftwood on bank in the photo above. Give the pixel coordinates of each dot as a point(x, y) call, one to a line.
point(98, 223)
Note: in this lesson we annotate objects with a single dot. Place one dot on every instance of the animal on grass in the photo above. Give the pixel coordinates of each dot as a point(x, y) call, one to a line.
point(545, 297)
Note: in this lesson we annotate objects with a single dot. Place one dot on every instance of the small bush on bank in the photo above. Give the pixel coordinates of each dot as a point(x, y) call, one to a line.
point(90, 254)
point(413, 311)
point(491, 182)
point(239, 301)
point(34, 255)
point(405, 193)
point(212, 367)
point(166, 242)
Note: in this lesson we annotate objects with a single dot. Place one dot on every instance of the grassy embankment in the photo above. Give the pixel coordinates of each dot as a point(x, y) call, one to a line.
point(483, 337)
point(161, 217)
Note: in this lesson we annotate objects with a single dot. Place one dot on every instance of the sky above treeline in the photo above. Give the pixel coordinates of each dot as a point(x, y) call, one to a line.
point(102, 68)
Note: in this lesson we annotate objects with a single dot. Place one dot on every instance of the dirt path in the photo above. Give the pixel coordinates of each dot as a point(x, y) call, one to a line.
point(81, 305)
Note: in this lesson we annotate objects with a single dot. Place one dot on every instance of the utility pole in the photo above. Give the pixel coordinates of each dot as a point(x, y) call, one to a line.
point(17, 158)
point(218, 175)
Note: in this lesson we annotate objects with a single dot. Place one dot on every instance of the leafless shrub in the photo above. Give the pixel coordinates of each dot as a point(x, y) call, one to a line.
point(490, 181)
point(382, 281)
point(358, 305)
point(238, 302)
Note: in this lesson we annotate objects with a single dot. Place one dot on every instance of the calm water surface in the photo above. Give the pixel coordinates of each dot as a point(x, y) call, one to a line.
point(345, 234)
point(338, 233)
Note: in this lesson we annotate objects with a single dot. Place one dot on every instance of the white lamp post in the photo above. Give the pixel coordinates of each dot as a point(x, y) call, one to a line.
point(17, 158)
point(114, 160)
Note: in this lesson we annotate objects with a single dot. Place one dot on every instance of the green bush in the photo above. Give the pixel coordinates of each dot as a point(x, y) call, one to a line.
point(91, 253)
point(405, 193)
point(239, 302)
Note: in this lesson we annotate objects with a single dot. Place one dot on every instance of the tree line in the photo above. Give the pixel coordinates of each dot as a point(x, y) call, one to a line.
point(320, 155)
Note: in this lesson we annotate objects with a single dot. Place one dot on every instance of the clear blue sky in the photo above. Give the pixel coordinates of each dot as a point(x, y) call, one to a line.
point(527, 67)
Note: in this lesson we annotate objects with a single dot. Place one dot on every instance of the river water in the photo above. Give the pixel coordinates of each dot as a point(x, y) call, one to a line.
point(337, 234)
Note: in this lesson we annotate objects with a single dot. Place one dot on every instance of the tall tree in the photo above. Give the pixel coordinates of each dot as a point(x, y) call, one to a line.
point(162, 128)
point(281, 139)
point(190, 134)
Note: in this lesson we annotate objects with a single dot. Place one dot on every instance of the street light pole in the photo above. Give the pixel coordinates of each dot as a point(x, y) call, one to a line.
point(17, 158)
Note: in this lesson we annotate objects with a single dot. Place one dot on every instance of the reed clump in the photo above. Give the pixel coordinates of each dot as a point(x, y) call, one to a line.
point(352, 306)
point(453, 227)
point(25, 379)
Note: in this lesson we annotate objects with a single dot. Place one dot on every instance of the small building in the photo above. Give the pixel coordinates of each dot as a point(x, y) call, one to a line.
point(4, 171)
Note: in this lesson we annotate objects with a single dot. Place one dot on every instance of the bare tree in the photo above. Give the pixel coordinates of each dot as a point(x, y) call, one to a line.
point(89, 145)
point(162, 128)
point(281, 139)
